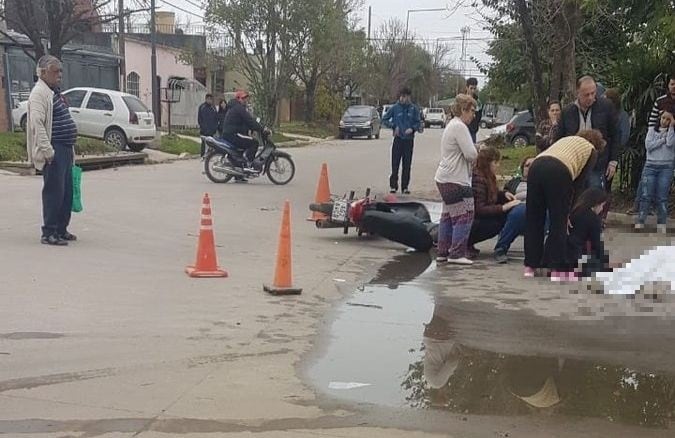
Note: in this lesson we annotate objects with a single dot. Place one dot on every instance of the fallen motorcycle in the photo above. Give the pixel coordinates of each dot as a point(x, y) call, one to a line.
point(408, 223)
point(223, 161)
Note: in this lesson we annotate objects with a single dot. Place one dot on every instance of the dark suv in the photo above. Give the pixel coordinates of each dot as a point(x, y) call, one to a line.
point(520, 131)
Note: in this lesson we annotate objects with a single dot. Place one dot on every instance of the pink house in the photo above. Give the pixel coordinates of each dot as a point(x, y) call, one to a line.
point(138, 80)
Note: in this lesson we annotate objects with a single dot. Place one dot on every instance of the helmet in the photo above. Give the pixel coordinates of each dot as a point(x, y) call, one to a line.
point(241, 94)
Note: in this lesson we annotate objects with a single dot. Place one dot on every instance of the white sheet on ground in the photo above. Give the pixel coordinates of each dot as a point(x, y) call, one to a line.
point(656, 264)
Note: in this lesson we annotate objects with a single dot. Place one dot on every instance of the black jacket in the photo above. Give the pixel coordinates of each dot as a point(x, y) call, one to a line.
point(603, 118)
point(221, 117)
point(207, 117)
point(475, 123)
point(238, 120)
point(587, 229)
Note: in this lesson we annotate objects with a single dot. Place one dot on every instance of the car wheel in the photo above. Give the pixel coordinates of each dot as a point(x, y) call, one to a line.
point(136, 147)
point(520, 141)
point(115, 137)
point(483, 125)
point(23, 122)
point(370, 136)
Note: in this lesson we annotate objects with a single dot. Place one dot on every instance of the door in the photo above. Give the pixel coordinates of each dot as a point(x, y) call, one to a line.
point(97, 114)
point(74, 99)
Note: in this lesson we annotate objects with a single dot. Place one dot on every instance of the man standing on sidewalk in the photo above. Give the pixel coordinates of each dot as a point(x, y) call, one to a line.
point(51, 135)
point(207, 118)
point(404, 119)
point(472, 90)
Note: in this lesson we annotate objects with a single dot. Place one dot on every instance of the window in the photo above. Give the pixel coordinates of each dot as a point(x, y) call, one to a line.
point(100, 101)
point(135, 105)
point(74, 98)
point(133, 84)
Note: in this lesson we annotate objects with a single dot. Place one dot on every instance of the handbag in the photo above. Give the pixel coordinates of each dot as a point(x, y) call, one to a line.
point(77, 189)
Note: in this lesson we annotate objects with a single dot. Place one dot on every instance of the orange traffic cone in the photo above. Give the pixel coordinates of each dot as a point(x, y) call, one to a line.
point(283, 283)
point(322, 194)
point(207, 262)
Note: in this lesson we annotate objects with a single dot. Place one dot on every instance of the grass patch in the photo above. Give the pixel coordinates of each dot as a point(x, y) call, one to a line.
point(13, 146)
point(191, 132)
point(512, 157)
point(319, 130)
point(173, 144)
point(278, 137)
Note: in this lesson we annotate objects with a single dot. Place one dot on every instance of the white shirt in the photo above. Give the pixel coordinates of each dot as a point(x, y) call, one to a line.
point(457, 154)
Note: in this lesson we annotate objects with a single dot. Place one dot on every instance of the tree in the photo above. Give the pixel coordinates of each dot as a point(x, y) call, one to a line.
point(259, 30)
point(319, 34)
point(55, 22)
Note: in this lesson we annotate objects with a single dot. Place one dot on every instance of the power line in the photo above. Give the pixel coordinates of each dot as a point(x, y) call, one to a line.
point(181, 9)
point(194, 4)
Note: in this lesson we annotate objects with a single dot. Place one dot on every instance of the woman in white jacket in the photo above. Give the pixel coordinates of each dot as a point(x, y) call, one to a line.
point(453, 179)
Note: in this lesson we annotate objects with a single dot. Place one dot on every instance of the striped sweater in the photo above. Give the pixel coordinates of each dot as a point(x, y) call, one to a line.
point(574, 152)
point(663, 103)
point(64, 130)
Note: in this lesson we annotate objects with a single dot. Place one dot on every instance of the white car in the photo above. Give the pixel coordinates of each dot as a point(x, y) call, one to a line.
point(19, 114)
point(434, 116)
point(120, 119)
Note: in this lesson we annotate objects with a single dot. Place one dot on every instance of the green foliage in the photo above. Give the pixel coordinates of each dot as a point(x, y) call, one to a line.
point(329, 105)
point(314, 129)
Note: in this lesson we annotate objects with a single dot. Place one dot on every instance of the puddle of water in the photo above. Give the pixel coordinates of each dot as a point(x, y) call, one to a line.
point(412, 349)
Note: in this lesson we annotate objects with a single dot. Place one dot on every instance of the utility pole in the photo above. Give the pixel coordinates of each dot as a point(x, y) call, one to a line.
point(153, 64)
point(121, 48)
point(370, 16)
point(465, 34)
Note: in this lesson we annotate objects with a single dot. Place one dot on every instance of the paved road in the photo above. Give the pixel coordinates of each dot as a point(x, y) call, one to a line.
point(110, 338)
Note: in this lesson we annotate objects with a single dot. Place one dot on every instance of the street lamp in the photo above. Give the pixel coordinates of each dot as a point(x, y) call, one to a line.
point(407, 20)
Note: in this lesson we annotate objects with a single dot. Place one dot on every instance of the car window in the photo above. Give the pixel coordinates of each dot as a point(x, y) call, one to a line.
point(74, 98)
point(135, 105)
point(100, 101)
point(436, 110)
point(357, 112)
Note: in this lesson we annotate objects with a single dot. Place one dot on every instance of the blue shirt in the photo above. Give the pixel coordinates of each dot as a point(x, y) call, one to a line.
point(64, 130)
point(403, 117)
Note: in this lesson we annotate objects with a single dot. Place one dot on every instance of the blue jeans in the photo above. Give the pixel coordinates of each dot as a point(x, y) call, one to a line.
point(57, 192)
point(656, 179)
point(513, 227)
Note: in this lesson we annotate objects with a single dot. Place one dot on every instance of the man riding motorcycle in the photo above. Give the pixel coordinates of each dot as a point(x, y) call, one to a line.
point(237, 124)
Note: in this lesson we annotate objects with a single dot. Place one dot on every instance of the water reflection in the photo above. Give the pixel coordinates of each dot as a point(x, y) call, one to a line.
point(469, 380)
point(403, 268)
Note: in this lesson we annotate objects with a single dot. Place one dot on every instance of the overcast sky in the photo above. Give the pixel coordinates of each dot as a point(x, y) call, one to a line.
point(424, 25)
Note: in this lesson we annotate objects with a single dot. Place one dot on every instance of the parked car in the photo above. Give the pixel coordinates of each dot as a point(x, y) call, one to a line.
point(120, 119)
point(520, 130)
point(19, 114)
point(360, 121)
point(489, 121)
point(435, 117)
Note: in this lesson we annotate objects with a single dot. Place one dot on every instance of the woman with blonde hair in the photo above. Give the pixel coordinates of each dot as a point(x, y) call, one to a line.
point(453, 178)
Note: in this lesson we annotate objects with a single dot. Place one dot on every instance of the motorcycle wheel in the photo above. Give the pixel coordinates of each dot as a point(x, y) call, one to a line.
point(280, 169)
point(215, 175)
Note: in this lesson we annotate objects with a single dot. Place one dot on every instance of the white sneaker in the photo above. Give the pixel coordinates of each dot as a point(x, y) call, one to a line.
point(460, 261)
point(661, 228)
point(441, 259)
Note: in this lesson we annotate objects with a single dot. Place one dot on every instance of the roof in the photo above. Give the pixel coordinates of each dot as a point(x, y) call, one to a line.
point(102, 90)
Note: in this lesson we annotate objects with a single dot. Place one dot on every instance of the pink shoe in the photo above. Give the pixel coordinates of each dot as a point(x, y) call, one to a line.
point(528, 272)
point(560, 276)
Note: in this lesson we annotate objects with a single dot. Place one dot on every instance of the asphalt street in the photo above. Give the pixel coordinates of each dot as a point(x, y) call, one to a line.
point(108, 337)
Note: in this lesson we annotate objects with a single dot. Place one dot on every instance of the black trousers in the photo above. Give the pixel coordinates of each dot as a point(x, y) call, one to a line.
point(486, 228)
point(549, 189)
point(57, 192)
point(247, 144)
point(401, 150)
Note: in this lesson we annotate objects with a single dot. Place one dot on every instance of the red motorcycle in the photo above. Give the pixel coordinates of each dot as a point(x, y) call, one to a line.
point(408, 223)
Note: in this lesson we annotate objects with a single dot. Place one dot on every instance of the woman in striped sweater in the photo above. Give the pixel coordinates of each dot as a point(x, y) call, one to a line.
point(556, 178)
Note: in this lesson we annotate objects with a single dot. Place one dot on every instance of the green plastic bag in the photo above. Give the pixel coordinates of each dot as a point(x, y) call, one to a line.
point(77, 189)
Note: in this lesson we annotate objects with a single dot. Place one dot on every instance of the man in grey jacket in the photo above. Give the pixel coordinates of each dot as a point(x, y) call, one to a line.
point(51, 134)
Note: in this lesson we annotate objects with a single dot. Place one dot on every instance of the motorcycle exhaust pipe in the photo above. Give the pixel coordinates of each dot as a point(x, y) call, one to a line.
point(228, 170)
point(323, 223)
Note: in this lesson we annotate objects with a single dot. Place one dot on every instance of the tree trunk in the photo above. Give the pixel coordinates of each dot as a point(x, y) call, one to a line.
point(571, 13)
point(310, 99)
point(539, 93)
